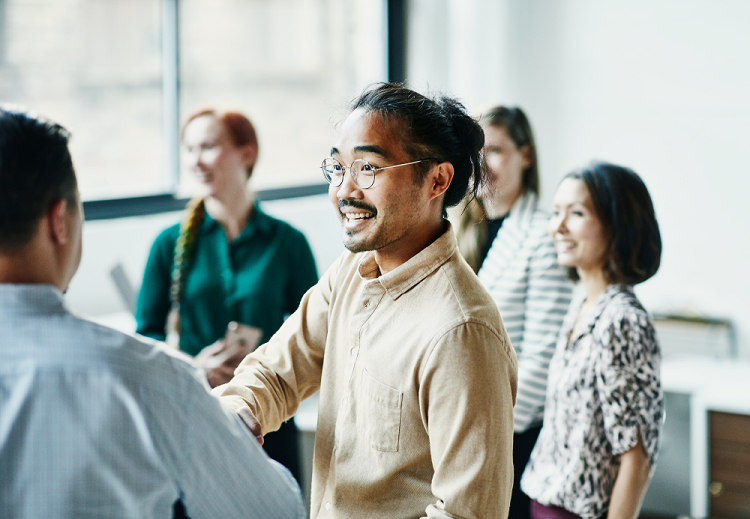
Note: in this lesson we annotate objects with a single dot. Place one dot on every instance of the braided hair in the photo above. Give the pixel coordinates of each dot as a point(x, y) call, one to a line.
point(195, 213)
point(242, 133)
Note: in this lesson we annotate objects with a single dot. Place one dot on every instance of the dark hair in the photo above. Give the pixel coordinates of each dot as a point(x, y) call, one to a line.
point(622, 203)
point(437, 128)
point(517, 125)
point(239, 127)
point(35, 171)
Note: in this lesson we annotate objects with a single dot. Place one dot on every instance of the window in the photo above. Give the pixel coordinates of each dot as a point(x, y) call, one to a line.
point(289, 65)
point(123, 74)
point(94, 67)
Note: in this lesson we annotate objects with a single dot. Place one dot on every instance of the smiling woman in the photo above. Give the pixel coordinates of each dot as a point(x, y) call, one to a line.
point(603, 415)
point(225, 278)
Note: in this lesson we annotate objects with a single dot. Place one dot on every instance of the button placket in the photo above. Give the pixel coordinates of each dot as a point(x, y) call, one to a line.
point(364, 309)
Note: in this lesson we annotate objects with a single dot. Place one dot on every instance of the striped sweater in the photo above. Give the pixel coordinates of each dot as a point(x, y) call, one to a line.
point(533, 294)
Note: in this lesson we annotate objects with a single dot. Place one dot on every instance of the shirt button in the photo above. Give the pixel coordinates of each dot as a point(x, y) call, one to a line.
point(353, 351)
point(328, 506)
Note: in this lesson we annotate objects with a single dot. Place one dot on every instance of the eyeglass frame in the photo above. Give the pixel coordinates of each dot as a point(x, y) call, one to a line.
point(354, 176)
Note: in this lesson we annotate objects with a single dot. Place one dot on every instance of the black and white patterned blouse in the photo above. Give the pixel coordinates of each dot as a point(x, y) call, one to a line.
point(603, 390)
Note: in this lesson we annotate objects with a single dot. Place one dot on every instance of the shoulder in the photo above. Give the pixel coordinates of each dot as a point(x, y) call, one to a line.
point(538, 227)
point(531, 223)
point(624, 307)
point(465, 297)
point(167, 237)
point(149, 363)
point(280, 229)
point(625, 324)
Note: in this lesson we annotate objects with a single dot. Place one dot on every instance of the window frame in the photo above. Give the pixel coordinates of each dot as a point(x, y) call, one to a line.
point(168, 201)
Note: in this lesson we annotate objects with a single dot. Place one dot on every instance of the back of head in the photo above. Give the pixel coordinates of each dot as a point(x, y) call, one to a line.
point(515, 122)
point(35, 171)
point(438, 128)
point(623, 204)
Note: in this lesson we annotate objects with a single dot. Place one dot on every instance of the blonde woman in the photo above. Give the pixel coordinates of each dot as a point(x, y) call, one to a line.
point(503, 235)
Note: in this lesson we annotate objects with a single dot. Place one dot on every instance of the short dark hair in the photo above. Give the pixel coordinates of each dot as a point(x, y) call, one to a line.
point(515, 122)
point(437, 128)
point(35, 171)
point(623, 204)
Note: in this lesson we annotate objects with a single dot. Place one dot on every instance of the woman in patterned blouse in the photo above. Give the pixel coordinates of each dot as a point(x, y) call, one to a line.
point(603, 413)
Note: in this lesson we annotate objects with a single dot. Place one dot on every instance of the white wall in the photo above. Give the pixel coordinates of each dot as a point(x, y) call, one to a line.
point(659, 85)
point(128, 241)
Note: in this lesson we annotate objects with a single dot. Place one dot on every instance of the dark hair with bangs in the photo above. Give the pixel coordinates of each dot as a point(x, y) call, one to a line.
point(438, 128)
point(35, 172)
point(623, 204)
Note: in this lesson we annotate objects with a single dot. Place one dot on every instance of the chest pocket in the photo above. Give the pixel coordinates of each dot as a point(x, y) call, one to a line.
point(381, 413)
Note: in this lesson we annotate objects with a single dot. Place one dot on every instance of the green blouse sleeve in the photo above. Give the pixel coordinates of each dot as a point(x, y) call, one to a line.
point(153, 299)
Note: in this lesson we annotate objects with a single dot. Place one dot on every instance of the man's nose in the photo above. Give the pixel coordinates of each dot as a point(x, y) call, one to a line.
point(348, 188)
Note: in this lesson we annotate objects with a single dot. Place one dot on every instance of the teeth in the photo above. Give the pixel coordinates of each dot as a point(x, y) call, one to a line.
point(357, 216)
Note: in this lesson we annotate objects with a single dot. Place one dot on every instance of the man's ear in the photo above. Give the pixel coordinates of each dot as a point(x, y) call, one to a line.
point(58, 222)
point(440, 178)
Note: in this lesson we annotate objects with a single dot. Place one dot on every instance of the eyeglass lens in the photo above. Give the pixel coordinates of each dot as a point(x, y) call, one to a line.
point(362, 172)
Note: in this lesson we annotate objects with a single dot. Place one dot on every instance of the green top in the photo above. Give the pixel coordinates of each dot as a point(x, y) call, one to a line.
point(258, 280)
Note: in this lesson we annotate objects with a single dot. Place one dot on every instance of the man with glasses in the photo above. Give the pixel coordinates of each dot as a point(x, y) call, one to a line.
point(93, 422)
point(416, 375)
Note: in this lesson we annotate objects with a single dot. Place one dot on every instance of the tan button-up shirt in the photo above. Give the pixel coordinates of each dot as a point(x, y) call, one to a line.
point(417, 383)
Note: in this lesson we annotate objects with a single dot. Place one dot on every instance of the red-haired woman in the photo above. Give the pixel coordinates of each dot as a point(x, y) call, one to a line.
point(226, 262)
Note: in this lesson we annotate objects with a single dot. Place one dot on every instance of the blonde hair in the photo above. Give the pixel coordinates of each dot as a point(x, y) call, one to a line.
point(470, 223)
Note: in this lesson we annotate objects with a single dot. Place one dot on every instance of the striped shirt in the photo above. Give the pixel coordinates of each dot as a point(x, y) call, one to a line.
point(95, 423)
point(533, 294)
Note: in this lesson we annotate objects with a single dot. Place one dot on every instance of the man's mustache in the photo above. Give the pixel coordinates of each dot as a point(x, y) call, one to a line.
point(357, 205)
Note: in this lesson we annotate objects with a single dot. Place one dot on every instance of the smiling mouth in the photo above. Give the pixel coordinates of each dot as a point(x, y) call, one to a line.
point(357, 211)
point(354, 217)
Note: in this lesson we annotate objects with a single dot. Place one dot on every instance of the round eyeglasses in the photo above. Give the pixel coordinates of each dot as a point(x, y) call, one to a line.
point(362, 172)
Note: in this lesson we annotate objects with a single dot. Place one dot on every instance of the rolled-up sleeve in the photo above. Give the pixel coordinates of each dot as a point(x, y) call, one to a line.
point(627, 377)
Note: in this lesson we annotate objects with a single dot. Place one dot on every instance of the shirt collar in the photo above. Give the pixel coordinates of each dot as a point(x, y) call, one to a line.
point(31, 298)
point(404, 277)
point(601, 303)
point(523, 209)
point(260, 222)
